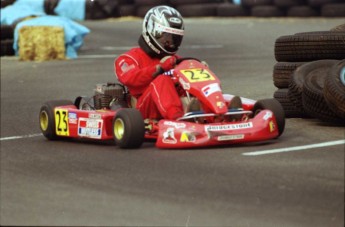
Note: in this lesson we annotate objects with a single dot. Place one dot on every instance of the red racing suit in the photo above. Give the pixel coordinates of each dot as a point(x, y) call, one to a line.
point(156, 96)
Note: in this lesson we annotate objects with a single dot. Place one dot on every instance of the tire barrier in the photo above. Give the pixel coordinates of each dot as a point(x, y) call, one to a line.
point(7, 40)
point(310, 74)
point(101, 9)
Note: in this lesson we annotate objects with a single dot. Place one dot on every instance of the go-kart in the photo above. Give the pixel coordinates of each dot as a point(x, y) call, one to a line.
point(110, 115)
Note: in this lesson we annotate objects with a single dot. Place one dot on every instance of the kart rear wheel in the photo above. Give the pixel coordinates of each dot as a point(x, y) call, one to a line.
point(128, 128)
point(47, 119)
point(277, 109)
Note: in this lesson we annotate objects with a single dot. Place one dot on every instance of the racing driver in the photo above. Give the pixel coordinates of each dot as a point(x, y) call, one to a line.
point(143, 70)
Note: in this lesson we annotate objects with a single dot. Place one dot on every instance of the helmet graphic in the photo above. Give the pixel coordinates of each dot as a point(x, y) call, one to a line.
point(163, 29)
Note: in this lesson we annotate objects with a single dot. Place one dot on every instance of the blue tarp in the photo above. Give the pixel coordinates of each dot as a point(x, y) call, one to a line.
point(73, 9)
point(21, 9)
point(67, 9)
point(74, 32)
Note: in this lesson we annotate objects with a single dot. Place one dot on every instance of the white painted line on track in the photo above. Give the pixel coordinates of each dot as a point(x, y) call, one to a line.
point(297, 148)
point(20, 137)
point(125, 48)
point(205, 46)
point(91, 56)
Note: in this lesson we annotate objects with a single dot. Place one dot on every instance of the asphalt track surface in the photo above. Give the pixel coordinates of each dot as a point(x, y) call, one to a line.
point(297, 181)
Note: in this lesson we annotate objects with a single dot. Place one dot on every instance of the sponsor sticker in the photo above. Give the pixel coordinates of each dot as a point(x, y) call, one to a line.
point(272, 126)
point(231, 137)
point(187, 137)
point(175, 124)
point(125, 67)
point(95, 116)
point(220, 104)
point(267, 116)
point(169, 136)
point(229, 127)
point(175, 20)
point(91, 128)
point(210, 89)
point(72, 118)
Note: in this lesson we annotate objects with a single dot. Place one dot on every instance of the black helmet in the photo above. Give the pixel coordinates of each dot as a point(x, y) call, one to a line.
point(163, 30)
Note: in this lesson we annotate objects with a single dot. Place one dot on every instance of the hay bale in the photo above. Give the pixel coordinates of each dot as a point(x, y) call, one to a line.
point(41, 43)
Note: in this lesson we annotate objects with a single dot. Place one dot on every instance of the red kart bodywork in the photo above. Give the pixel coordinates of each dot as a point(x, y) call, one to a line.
point(216, 128)
point(177, 134)
point(200, 82)
point(75, 123)
point(97, 124)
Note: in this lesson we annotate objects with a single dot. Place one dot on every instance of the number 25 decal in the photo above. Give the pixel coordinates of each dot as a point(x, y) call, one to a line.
point(197, 75)
point(61, 122)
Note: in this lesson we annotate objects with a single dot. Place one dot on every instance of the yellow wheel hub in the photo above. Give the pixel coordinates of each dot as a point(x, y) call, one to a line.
point(44, 120)
point(119, 128)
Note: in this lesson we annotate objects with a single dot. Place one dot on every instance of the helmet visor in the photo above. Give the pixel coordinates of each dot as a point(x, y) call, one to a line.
point(169, 42)
point(168, 38)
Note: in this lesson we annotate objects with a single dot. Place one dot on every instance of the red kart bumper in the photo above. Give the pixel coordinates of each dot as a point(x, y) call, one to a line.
point(179, 134)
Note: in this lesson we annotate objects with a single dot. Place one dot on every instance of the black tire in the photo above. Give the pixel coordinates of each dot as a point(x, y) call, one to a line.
point(333, 10)
point(151, 2)
point(5, 3)
point(282, 73)
point(94, 10)
point(319, 3)
point(288, 3)
point(310, 46)
point(84, 103)
point(281, 95)
point(49, 6)
point(142, 10)
point(127, 10)
point(302, 11)
point(276, 108)
point(252, 3)
point(7, 32)
point(128, 128)
point(312, 95)
point(195, 10)
point(334, 89)
point(267, 11)
point(7, 47)
point(187, 2)
point(296, 87)
point(47, 119)
point(231, 10)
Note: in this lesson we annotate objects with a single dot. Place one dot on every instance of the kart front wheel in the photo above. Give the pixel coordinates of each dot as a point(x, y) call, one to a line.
point(128, 128)
point(47, 119)
point(277, 109)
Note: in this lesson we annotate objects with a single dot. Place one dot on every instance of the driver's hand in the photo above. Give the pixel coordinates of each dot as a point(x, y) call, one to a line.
point(167, 63)
point(169, 73)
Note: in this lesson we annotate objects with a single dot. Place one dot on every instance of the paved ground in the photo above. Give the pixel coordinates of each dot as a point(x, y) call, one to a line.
point(83, 183)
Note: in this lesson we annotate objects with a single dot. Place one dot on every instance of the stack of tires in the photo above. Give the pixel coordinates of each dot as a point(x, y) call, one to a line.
point(188, 8)
point(228, 8)
point(295, 8)
point(6, 34)
point(7, 40)
point(101, 9)
point(310, 74)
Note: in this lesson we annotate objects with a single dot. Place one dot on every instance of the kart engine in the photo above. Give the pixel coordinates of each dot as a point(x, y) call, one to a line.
point(110, 94)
